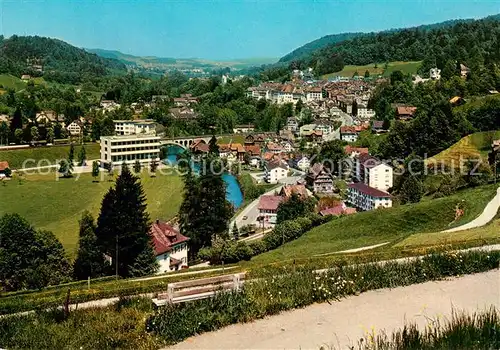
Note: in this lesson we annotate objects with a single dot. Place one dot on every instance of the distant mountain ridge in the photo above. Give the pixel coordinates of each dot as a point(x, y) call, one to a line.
point(178, 63)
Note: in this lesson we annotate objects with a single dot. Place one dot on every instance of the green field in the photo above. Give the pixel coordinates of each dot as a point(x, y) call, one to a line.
point(380, 226)
point(11, 82)
point(52, 154)
point(57, 205)
point(473, 146)
point(348, 71)
point(238, 138)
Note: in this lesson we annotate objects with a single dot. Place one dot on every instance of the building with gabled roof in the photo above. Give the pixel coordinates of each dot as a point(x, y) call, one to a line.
point(320, 179)
point(171, 247)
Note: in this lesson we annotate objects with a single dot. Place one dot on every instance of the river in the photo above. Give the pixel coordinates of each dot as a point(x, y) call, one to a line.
point(233, 190)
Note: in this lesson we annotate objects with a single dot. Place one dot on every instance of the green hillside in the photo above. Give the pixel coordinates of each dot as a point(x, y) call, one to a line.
point(376, 69)
point(474, 146)
point(306, 50)
point(53, 59)
point(457, 40)
point(381, 226)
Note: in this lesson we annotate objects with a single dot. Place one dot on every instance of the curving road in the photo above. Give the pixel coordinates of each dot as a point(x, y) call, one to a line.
point(489, 212)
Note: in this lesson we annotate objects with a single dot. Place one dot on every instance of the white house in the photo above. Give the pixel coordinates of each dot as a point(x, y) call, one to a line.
point(314, 93)
point(274, 171)
point(131, 127)
point(171, 248)
point(365, 198)
point(74, 128)
point(109, 105)
point(435, 73)
point(287, 146)
point(348, 134)
point(292, 124)
point(118, 149)
point(301, 163)
point(374, 172)
point(268, 209)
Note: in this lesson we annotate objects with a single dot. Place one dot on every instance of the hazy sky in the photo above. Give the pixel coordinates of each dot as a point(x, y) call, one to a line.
point(219, 29)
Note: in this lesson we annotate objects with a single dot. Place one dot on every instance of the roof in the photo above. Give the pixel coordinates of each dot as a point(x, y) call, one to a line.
point(254, 150)
point(273, 146)
point(377, 124)
point(4, 165)
point(300, 190)
point(316, 170)
point(368, 161)
point(273, 164)
point(350, 150)
point(269, 202)
point(406, 110)
point(165, 237)
point(455, 99)
point(363, 188)
point(348, 130)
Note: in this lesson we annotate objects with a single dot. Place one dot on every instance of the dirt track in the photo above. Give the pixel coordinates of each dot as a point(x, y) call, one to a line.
point(342, 323)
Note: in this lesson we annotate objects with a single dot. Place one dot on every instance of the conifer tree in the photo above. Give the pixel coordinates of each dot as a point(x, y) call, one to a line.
point(137, 167)
point(123, 227)
point(236, 232)
point(90, 259)
point(82, 156)
point(213, 148)
point(95, 169)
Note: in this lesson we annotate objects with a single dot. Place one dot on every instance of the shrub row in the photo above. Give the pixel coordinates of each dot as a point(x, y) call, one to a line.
point(299, 287)
point(235, 251)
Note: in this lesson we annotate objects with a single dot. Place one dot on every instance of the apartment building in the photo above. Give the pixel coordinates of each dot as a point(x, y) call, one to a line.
point(373, 172)
point(116, 150)
point(131, 127)
point(274, 171)
point(364, 197)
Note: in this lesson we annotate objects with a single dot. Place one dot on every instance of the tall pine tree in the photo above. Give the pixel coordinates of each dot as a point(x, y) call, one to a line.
point(90, 259)
point(213, 148)
point(123, 227)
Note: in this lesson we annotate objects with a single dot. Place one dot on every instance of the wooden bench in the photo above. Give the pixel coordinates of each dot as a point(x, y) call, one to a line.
point(180, 292)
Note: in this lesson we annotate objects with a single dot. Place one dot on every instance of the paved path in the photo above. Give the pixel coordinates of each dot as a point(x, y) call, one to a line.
point(489, 212)
point(251, 212)
point(355, 250)
point(342, 323)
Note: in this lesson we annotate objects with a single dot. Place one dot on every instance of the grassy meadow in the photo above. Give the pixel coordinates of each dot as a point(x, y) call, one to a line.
point(57, 205)
point(473, 146)
point(380, 226)
point(349, 70)
point(52, 154)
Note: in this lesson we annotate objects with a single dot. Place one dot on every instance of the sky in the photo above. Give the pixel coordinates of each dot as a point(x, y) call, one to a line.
point(219, 29)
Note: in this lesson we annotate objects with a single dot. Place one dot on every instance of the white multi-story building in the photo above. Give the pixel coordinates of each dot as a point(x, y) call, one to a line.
point(131, 127)
point(171, 248)
point(274, 171)
point(116, 150)
point(366, 198)
point(314, 94)
point(365, 113)
point(374, 172)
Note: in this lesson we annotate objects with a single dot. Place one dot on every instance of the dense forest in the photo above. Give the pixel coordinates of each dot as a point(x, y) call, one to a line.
point(53, 59)
point(464, 41)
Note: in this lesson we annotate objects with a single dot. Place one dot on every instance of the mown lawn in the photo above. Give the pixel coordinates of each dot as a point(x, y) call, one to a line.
point(380, 226)
point(32, 156)
point(231, 139)
point(349, 70)
point(473, 146)
point(11, 82)
point(57, 205)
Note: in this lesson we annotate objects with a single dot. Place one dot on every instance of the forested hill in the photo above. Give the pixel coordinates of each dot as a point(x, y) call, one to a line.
point(305, 50)
point(53, 59)
point(458, 40)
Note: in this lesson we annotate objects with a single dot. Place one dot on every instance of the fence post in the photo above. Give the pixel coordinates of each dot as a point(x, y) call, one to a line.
point(170, 293)
point(236, 282)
